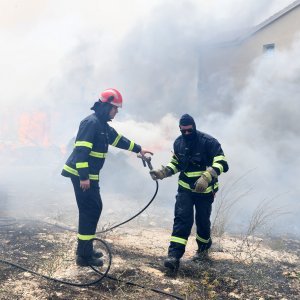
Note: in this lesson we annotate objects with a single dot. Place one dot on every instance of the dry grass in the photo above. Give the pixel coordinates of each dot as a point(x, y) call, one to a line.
point(247, 266)
point(138, 257)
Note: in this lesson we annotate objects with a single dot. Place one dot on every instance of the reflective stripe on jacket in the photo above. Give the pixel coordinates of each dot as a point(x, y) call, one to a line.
point(191, 160)
point(91, 146)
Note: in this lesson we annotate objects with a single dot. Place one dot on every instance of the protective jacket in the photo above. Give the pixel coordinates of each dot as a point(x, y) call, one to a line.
point(191, 158)
point(90, 149)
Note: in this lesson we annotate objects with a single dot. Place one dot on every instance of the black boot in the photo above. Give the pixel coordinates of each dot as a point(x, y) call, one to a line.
point(172, 263)
point(86, 255)
point(97, 254)
point(200, 256)
point(85, 261)
point(85, 248)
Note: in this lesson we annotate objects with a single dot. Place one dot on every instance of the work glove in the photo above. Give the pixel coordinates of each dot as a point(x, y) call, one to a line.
point(160, 173)
point(205, 179)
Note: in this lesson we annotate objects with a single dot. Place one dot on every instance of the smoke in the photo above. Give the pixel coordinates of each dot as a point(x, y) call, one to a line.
point(56, 63)
point(261, 135)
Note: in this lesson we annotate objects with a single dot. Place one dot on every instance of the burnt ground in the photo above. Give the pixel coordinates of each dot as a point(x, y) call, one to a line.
point(239, 268)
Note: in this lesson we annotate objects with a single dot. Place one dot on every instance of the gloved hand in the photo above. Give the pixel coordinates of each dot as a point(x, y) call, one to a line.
point(160, 173)
point(205, 179)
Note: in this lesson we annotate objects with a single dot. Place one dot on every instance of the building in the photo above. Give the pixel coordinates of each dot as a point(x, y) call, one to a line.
point(224, 66)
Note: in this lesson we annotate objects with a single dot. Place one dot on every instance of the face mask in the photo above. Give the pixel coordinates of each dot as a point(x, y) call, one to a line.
point(188, 137)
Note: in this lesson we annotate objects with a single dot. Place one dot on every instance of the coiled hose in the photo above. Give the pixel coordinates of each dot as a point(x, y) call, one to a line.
point(10, 221)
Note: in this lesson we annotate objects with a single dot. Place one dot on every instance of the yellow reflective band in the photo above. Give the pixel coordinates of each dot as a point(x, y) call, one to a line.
point(70, 170)
point(187, 186)
point(82, 165)
point(131, 146)
point(84, 237)
point(172, 167)
point(93, 177)
point(184, 184)
point(98, 154)
point(84, 144)
point(193, 174)
point(202, 240)
point(116, 140)
point(178, 240)
point(209, 189)
point(218, 158)
point(219, 166)
point(75, 172)
point(174, 161)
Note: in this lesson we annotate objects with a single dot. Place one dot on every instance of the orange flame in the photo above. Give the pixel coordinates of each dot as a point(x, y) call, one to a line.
point(33, 129)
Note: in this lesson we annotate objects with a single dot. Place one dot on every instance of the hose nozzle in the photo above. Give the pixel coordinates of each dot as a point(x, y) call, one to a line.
point(146, 161)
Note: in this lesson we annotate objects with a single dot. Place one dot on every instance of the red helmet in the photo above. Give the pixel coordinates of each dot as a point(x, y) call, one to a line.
point(111, 96)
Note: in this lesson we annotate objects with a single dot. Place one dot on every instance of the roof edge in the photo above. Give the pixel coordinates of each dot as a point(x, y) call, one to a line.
point(269, 21)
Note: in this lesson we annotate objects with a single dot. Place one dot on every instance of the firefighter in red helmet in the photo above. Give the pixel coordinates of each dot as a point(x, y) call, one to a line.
point(84, 164)
point(111, 96)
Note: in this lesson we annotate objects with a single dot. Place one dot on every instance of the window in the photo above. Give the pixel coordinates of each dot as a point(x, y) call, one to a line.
point(269, 48)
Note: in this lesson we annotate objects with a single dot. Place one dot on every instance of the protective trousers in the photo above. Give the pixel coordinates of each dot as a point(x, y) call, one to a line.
point(184, 219)
point(90, 207)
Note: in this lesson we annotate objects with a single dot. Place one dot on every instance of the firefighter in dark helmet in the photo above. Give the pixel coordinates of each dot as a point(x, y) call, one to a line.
point(200, 160)
point(83, 167)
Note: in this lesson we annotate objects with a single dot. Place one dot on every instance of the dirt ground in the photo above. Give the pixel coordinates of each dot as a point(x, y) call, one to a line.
point(238, 268)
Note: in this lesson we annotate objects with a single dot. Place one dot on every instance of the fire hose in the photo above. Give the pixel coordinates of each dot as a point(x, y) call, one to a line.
point(10, 221)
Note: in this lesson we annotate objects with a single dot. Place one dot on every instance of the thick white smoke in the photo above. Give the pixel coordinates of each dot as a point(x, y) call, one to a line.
point(261, 135)
point(58, 57)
